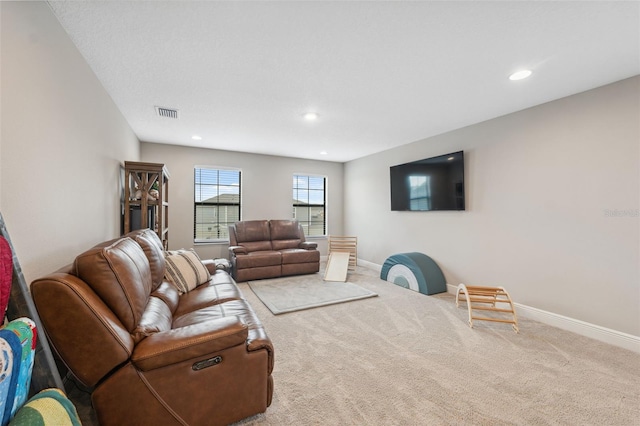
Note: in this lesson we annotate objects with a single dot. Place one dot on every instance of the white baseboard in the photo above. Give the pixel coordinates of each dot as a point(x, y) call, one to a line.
point(370, 265)
point(603, 334)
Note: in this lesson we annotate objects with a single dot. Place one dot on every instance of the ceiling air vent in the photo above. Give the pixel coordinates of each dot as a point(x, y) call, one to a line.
point(167, 112)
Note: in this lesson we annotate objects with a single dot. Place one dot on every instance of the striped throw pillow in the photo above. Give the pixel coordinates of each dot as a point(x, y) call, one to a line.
point(185, 270)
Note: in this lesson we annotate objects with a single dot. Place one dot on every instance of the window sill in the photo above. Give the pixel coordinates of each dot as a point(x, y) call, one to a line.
point(210, 242)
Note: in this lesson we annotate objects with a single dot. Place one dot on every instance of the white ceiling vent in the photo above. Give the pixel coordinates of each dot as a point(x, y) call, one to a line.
point(167, 112)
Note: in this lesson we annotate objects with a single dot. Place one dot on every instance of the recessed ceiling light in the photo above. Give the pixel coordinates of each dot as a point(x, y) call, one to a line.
point(519, 75)
point(310, 116)
point(196, 138)
point(323, 152)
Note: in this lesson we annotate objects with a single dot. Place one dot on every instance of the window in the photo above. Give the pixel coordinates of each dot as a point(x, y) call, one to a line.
point(309, 198)
point(217, 203)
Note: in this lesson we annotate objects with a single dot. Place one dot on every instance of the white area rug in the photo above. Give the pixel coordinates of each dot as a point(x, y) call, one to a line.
point(291, 294)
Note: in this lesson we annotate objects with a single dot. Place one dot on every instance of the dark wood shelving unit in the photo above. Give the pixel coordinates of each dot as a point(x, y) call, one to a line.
point(146, 198)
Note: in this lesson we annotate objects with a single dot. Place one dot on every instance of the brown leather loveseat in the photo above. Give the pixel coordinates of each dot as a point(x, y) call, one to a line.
point(270, 248)
point(150, 355)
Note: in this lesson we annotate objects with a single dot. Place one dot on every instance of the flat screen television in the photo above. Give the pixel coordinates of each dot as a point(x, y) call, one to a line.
point(435, 183)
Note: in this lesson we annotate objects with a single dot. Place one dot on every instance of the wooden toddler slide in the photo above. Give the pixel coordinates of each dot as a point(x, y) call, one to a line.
point(485, 299)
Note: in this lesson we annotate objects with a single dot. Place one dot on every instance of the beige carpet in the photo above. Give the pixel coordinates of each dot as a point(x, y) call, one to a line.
point(404, 358)
point(289, 294)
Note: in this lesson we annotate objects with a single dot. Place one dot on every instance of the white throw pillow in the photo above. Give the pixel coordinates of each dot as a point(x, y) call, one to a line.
point(185, 270)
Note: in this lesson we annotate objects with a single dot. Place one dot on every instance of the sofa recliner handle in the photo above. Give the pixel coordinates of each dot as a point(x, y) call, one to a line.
point(189, 342)
point(201, 365)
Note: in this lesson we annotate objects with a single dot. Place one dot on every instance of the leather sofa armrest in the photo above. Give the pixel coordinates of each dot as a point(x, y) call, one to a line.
point(210, 265)
point(237, 250)
point(189, 342)
point(308, 245)
point(214, 265)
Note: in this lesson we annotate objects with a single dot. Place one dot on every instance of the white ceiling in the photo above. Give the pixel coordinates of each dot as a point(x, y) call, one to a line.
point(380, 74)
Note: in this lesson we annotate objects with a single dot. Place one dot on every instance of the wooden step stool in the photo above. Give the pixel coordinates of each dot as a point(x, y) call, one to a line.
point(485, 299)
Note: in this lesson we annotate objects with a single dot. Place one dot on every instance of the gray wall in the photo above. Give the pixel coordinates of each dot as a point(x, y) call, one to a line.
point(266, 189)
point(62, 142)
point(552, 207)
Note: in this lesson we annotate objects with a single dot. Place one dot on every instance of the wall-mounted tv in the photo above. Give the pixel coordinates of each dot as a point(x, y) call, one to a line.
point(435, 183)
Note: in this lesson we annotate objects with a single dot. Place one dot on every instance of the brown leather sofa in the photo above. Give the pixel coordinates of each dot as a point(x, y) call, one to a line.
point(150, 355)
point(270, 248)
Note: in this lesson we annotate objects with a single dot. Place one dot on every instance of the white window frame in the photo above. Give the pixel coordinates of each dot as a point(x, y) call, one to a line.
point(307, 224)
point(196, 202)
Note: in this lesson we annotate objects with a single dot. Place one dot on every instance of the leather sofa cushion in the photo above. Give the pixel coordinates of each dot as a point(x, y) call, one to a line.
point(300, 268)
point(220, 288)
point(285, 244)
point(169, 295)
point(257, 246)
point(155, 318)
point(222, 277)
point(285, 234)
point(121, 276)
point(300, 256)
point(240, 308)
point(252, 230)
point(257, 259)
point(250, 274)
point(284, 230)
point(208, 295)
point(152, 247)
